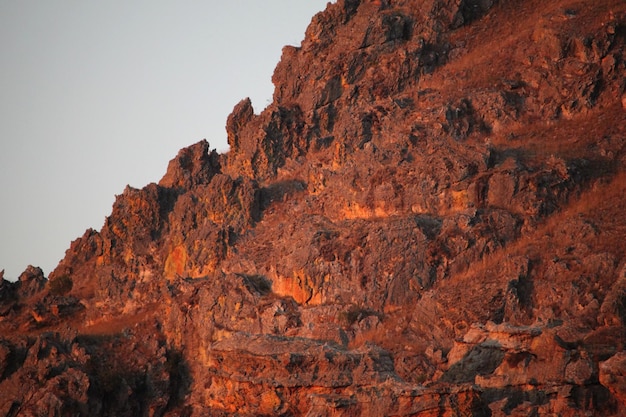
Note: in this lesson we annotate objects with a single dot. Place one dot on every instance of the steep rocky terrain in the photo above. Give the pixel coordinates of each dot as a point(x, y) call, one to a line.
point(428, 220)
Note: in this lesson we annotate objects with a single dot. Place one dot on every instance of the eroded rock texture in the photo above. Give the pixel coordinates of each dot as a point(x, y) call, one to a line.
point(428, 220)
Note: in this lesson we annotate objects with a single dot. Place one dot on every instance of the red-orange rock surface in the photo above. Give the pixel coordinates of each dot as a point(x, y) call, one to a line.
point(428, 220)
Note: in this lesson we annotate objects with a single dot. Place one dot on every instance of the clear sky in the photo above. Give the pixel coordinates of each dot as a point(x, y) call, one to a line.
point(95, 95)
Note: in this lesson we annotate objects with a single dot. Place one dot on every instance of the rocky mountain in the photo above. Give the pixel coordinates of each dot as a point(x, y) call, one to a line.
point(428, 220)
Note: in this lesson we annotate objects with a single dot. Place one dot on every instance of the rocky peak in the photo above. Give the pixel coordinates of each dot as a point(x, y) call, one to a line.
point(193, 165)
point(427, 220)
point(31, 281)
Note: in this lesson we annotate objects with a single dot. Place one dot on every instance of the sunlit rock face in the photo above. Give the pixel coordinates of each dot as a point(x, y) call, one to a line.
point(426, 221)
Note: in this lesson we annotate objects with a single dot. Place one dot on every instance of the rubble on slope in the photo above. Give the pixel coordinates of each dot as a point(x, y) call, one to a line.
point(426, 221)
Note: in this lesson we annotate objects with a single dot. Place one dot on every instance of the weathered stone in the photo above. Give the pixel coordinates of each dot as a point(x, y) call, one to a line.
point(425, 222)
point(193, 165)
point(613, 376)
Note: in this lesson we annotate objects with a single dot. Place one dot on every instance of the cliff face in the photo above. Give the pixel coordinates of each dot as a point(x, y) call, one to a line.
point(426, 221)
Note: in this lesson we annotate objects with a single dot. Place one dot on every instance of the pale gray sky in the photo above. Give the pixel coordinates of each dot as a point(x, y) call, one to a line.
point(95, 95)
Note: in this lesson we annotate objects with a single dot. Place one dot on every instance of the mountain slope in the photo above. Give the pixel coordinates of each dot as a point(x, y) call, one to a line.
point(427, 220)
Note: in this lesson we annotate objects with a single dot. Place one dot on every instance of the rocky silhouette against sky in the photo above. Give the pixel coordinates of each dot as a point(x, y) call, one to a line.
point(97, 95)
point(427, 220)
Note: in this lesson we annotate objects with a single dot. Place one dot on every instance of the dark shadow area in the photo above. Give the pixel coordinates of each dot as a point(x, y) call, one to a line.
point(14, 410)
point(128, 377)
point(257, 284)
point(15, 359)
point(431, 226)
point(179, 383)
point(470, 11)
point(514, 397)
point(582, 170)
point(280, 191)
point(322, 143)
point(497, 156)
point(594, 397)
point(481, 360)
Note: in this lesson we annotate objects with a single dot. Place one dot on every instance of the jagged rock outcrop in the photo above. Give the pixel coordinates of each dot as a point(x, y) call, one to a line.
point(426, 221)
point(612, 376)
point(192, 166)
